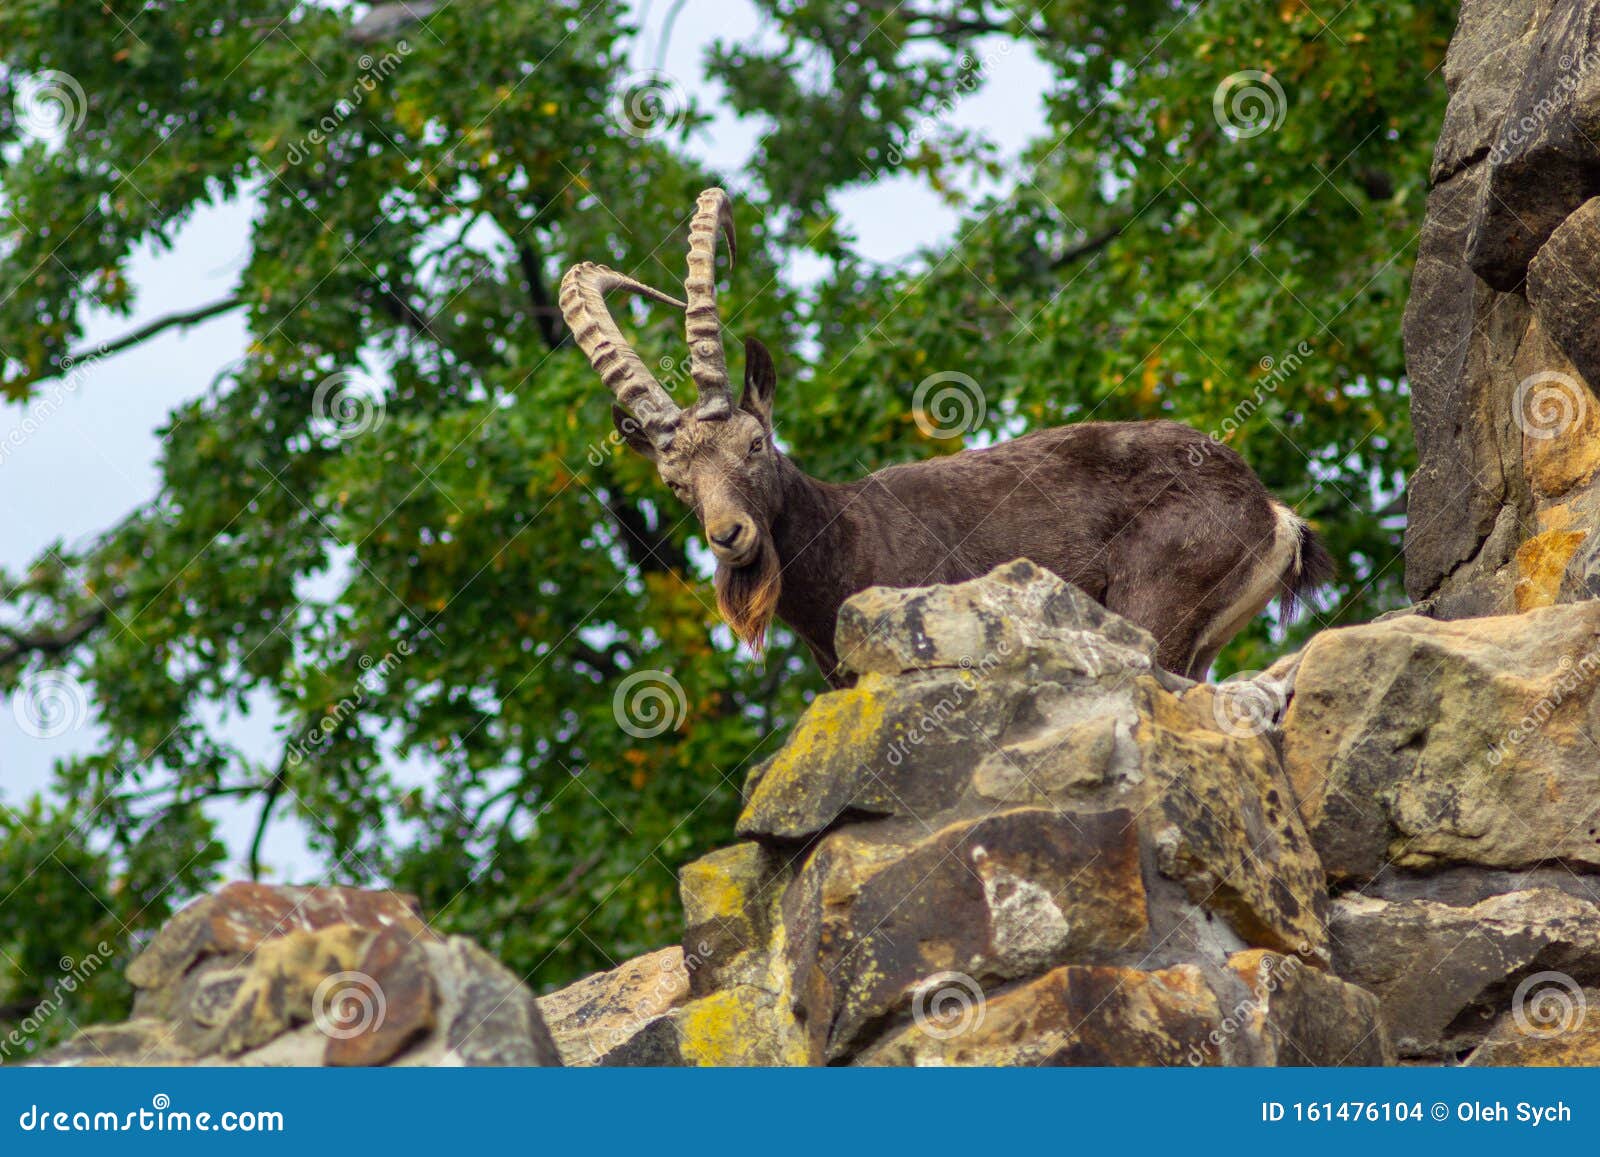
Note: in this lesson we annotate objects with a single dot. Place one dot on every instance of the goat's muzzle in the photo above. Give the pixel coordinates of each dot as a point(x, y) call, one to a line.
point(734, 539)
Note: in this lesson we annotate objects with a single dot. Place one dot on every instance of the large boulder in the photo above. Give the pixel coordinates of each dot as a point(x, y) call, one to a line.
point(1419, 745)
point(1500, 330)
point(1015, 840)
point(1447, 974)
point(262, 975)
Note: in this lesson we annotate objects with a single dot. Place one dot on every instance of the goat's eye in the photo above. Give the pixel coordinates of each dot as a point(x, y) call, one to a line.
point(757, 445)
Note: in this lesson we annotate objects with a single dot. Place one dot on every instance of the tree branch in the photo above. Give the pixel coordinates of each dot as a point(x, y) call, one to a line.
point(274, 791)
point(1087, 247)
point(143, 334)
point(52, 643)
point(545, 313)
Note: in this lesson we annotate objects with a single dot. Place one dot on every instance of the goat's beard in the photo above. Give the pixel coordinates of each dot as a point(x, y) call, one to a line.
point(747, 595)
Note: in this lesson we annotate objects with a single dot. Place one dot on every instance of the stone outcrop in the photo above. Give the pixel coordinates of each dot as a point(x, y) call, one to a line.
point(1425, 745)
point(1016, 841)
point(259, 975)
point(1503, 324)
point(1447, 774)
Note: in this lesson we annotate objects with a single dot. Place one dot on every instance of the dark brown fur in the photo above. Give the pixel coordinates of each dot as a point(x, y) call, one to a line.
point(1153, 519)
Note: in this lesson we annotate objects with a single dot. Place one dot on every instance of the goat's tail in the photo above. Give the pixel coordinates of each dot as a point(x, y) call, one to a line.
point(1310, 567)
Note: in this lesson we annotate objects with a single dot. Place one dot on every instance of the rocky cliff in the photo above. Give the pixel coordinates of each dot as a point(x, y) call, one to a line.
point(1503, 326)
point(1017, 841)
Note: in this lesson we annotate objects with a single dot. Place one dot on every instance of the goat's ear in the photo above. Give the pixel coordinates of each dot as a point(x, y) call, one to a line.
point(632, 432)
point(760, 382)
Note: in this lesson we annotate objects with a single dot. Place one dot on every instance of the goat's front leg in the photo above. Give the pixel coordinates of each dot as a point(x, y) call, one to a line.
point(828, 663)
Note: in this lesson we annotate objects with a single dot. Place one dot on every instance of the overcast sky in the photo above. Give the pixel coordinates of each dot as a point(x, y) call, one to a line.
point(94, 458)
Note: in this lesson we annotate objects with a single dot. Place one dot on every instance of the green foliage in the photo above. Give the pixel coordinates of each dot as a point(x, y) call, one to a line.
point(441, 596)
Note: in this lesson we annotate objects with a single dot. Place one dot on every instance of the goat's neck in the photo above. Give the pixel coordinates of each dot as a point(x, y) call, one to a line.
point(816, 547)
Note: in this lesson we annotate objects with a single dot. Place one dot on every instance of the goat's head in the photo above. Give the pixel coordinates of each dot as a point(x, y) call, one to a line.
point(717, 457)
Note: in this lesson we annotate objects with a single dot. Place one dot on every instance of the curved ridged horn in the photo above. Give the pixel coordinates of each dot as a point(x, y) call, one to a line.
point(707, 365)
point(583, 304)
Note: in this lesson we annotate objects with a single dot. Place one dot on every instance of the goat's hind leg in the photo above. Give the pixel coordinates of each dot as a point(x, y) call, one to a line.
point(1149, 604)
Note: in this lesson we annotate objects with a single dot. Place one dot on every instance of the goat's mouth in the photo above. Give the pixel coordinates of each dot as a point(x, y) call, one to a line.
point(742, 558)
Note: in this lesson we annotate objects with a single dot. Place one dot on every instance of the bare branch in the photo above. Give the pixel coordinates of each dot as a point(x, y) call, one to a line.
point(49, 643)
point(143, 334)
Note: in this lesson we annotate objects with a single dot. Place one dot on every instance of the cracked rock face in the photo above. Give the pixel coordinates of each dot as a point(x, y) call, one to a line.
point(1420, 745)
point(1502, 329)
point(1031, 861)
point(263, 975)
point(1014, 841)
